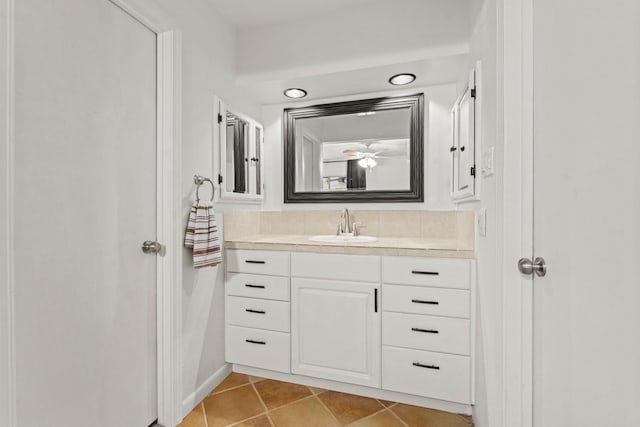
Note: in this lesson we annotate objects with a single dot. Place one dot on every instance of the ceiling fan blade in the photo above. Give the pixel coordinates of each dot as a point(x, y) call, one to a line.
point(350, 152)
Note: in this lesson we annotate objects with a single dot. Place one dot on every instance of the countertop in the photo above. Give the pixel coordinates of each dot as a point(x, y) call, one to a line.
point(407, 246)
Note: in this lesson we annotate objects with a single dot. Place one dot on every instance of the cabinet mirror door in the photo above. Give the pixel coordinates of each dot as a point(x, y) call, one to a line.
point(256, 159)
point(239, 140)
point(464, 143)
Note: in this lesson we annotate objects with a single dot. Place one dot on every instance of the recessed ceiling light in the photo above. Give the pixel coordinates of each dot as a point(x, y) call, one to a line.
point(295, 92)
point(402, 79)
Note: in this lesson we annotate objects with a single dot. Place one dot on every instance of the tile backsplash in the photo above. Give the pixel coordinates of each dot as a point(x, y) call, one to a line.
point(453, 225)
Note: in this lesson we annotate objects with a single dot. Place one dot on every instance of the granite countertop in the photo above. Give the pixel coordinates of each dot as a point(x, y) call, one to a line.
point(406, 246)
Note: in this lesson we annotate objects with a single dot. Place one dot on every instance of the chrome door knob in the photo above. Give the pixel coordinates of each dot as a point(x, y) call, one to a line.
point(538, 266)
point(151, 247)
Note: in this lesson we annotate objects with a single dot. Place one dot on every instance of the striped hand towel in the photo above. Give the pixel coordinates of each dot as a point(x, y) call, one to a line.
point(202, 236)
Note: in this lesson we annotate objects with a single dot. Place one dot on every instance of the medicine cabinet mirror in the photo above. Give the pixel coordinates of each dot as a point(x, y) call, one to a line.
point(240, 141)
point(367, 150)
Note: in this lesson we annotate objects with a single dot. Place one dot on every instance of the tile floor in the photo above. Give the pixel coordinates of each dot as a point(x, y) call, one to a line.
point(242, 400)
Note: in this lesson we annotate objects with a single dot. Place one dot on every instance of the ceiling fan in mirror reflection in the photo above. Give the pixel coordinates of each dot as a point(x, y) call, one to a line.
point(366, 152)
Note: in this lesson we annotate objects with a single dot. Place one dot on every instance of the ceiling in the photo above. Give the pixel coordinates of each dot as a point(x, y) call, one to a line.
point(255, 13)
point(429, 72)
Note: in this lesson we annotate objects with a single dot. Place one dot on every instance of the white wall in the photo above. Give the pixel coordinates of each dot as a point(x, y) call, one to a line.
point(484, 47)
point(6, 310)
point(354, 37)
point(209, 61)
point(438, 103)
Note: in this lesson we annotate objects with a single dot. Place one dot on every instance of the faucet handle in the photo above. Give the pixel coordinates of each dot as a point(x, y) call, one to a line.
point(356, 228)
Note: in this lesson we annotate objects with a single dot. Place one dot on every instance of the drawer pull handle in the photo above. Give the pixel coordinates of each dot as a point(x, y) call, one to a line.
point(252, 261)
point(426, 331)
point(248, 285)
point(428, 273)
point(419, 301)
point(420, 365)
point(256, 342)
point(249, 310)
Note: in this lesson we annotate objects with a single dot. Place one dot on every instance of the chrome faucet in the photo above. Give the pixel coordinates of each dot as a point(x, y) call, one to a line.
point(344, 227)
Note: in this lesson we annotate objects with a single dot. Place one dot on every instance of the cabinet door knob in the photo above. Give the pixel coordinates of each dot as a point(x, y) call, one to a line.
point(452, 149)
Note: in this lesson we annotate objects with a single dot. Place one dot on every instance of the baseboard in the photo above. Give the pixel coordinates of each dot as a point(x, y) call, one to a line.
point(376, 393)
point(205, 388)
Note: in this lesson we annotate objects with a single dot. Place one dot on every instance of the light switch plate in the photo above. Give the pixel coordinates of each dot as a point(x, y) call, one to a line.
point(488, 161)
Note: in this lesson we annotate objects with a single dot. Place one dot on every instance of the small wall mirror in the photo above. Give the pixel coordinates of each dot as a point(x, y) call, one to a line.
point(358, 151)
point(240, 140)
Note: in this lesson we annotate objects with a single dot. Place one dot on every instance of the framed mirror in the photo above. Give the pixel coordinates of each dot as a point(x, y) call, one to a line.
point(368, 150)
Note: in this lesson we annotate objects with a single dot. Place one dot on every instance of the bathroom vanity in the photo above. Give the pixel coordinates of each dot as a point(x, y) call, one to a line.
point(366, 320)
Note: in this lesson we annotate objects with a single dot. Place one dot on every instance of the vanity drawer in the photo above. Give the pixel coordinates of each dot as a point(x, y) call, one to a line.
point(423, 300)
point(258, 313)
point(258, 262)
point(447, 273)
point(424, 373)
point(361, 268)
point(445, 334)
point(258, 286)
point(258, 348)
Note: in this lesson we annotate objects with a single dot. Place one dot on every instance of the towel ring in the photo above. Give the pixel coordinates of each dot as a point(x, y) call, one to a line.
point(199, 180)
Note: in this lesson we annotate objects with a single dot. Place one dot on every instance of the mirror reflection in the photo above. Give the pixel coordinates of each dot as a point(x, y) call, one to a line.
point(237, 134)
point(365, 151)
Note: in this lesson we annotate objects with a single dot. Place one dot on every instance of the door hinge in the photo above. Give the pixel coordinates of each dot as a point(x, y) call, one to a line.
point(473, 92)
point(473, 170)
point(219, 118)
point(219, 179)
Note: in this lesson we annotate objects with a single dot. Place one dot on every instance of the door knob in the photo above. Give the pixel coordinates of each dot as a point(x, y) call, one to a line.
point(538, 266)
point(151, 247)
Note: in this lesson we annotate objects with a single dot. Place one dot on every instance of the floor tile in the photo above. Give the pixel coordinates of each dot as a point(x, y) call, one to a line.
point(308, 413)
point(194, 419)
point(232, 406)
point(277, 393)
point(259, 421)
point(233, 380)
point(381, 419)
point(415, 416)
point(348, 408)
point(316, 390)
point(386, 403)
point(254, 379)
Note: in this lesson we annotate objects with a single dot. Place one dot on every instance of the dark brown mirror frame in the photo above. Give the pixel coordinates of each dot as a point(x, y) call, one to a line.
point(415, 103)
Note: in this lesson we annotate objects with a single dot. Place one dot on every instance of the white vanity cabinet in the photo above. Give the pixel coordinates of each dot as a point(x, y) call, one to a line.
point(335, 318)
point(384, 326)
point(257, 309)
point(426, 327)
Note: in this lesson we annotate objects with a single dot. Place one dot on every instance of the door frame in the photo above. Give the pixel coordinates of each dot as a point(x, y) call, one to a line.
point(169, 218)
point(517, 52)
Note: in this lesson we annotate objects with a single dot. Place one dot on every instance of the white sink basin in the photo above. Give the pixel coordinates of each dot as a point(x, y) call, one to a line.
point(344, 238)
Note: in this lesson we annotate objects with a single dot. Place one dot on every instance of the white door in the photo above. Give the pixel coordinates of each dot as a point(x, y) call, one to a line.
point(85, 200)
point(335, 330)
point(587, 212)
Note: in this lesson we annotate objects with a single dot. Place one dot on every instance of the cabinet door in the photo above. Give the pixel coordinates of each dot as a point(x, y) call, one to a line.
point(335, 329)
point(238, 139)
point(464, 142)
